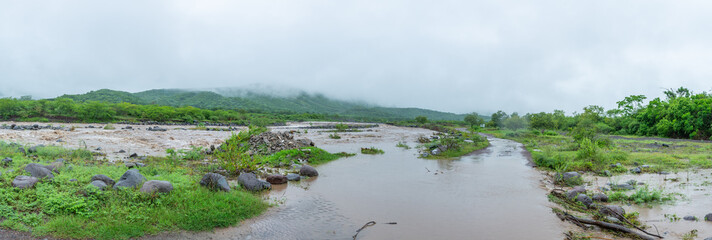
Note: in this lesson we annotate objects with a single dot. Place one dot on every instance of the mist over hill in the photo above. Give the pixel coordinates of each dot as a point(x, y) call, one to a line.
point(289, 101)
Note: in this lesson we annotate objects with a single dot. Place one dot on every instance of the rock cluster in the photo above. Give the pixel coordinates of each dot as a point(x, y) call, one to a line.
point(32, 127)
point(250, 182)
point(272, 142)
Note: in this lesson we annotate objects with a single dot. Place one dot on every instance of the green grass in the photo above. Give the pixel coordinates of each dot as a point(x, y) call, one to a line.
point(557, 151)
point(66, 209)
point(459, 145)
point(371, 150)
point(643, 195)
point(402, 145)
point(312, 155)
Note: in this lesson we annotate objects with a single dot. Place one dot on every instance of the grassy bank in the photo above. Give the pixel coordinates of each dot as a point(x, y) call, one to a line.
point(558, 152)
point(67, 207)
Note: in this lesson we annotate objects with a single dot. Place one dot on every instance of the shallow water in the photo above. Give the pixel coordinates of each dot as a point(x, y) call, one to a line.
point(489, 195)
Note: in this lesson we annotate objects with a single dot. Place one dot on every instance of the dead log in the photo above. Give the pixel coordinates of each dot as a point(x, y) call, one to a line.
point(610, 226)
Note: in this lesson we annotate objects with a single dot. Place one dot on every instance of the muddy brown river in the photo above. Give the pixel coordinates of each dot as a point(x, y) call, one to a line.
point(492, 194)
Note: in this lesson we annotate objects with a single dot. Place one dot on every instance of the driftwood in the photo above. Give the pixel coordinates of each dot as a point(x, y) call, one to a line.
point(559, 193)
point(611, 226)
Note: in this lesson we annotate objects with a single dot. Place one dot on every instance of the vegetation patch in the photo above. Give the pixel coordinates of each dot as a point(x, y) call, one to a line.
point(67, 207)
point(371, 150)
point(311, 155)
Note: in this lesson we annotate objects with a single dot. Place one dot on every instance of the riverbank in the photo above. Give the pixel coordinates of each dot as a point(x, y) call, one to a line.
point(658, 182)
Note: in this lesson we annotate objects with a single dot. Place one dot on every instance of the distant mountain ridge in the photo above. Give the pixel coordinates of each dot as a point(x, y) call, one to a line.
point(300, 102)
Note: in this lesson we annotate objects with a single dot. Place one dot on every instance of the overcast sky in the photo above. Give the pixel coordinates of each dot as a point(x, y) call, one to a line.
point(457, 56)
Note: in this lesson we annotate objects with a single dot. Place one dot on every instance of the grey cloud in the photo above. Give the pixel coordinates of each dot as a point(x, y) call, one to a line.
point(457, 56)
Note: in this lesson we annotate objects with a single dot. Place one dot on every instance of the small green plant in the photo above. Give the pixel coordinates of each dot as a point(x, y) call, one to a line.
point(341, 127)
point(371, 150)
point(402, 145)
point(334, 136)
point(233, 154)
point(109, 127)
point(690, 235)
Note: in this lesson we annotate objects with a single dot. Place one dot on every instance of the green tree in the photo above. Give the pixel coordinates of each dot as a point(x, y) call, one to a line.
point(514, 122)
point(421, 119)
point(497, 119)
point(474, 120)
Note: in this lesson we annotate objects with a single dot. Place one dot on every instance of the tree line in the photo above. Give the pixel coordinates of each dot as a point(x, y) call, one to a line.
point(682, 114)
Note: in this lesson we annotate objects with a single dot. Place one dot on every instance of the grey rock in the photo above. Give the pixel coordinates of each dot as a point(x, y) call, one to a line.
point(122, 151)
point(293, 177)
point(607, 173)
point(32, 149)
point(133, 155)
point(106, 179)
point(276, 179)
point(571, 194)
point(308, 171)
point(612, 210)
point(99, 184)
point(570, 178)
point(600, 197)
point(39, 171)
point(156, 186)
point(215, 181)
point(250, 182)
point(6, 161)
point(73, 180)
point(636, 170)
point(435, 151)
point(709, 238)
point(24, 182)
point(689, 218)
point(585, 199)
point(21, 150)
point(130, 165)
point(131, 179)
point(708, 217)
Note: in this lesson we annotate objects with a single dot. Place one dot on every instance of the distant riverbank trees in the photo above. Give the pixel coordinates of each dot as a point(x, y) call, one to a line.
point(682, 114)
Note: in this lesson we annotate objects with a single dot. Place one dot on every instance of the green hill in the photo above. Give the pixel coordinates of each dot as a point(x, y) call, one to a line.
point(300, 102)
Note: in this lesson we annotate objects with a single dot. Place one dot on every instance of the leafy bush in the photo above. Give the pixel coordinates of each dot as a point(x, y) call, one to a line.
point(334, 136)
point(371, 150)
point(233, 154)
point(312, 155)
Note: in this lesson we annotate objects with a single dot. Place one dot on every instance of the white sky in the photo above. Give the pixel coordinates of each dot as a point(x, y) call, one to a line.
point(457, 56)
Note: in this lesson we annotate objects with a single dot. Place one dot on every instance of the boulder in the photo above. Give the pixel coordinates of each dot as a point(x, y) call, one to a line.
point(39, 171)
point(571, 177)
point(56, 165)
point(571, 194)
point(103, 178)
point(156, 186)
point(250, 182)
point(131, 179)
point(32, 149)
point(708, 217)
point(133, 155)
point(21, 150)
point(689, 218)
point(276, 179)
point(293, 177)
point(24, 182)
point(600, 197)
point(612, 210)
point(636, 170)
point(308, 171)
point(583, 198)
point(215, 181)
point(99, 184)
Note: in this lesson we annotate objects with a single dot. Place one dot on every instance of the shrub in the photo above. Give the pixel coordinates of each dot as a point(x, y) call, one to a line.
point(371, 150)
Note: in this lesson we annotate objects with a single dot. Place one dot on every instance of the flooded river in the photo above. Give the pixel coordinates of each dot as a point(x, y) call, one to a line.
point(488, 195)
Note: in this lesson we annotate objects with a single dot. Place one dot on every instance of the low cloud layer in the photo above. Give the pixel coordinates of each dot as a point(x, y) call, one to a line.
point(457, 56)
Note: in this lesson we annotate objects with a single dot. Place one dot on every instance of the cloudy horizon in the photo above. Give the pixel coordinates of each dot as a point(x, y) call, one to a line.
point(453, 56)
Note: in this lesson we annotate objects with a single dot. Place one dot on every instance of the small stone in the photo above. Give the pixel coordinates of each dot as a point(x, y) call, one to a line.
point(276, 179)
point(39, 171)
point(689, 218)
point(585, 199)
point(215, 181)
point(308, 171)
point(636, 170)
point(600, 197)
point(612, 210)
point(99, 184)
point(133, 155)
point(708, 217)
point(22, 182)
point(131, 179)
point(130, 165)
point(250, 182)
point(571, 194)
point(293, 177)
point(101, 177)
point(122, 151)
point(156, 186)
point(73, 180)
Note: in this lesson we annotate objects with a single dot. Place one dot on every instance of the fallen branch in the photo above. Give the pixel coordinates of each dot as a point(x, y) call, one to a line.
point(610, 226)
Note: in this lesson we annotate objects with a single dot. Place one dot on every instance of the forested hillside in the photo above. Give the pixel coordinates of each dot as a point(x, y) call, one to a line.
point(263, 103)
